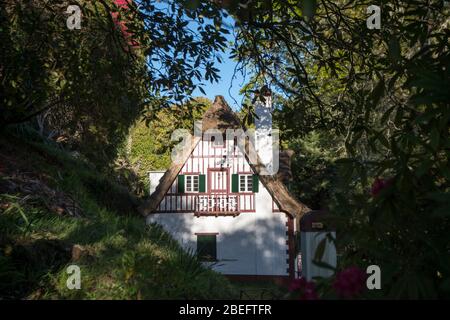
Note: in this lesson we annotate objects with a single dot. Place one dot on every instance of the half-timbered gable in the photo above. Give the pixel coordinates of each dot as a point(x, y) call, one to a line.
point(212, 183)
point(216, 203)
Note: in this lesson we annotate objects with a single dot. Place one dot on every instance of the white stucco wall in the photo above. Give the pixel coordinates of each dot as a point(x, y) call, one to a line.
point(252, 243)
point(154, 177)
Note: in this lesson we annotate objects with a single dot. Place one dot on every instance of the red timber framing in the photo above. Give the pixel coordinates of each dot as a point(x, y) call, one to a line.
point(200, 155)
point(279, 280)
point(290, 242)
point(218, 200)
point(218, 180)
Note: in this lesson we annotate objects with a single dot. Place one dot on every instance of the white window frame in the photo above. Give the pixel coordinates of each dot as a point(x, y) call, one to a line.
point(190, 184)
point(247, 182)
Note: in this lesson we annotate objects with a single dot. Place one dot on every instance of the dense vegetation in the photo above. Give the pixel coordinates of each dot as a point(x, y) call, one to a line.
point(367, 112)
point(56, 211)
point(148, 146)
point(86, 87)
point(68, 100)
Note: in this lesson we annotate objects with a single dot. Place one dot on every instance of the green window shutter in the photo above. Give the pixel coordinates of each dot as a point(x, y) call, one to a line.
point(181, 183)
point(234, 182)
point(255, 183)
point(202, 183)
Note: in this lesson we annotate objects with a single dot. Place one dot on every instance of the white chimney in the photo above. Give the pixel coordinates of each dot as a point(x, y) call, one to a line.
point(264, 132)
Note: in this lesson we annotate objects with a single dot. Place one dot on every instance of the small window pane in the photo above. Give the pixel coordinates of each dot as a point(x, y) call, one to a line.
point(195, 184)
point(188, 183)
point(245, 183)
point(207, 247)
point(242, 183)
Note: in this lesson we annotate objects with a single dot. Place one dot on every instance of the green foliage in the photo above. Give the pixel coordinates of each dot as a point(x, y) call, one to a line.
point(85, 88)
point(314, 167)
point(82, 89)
point(123, 258)
point(260, 290)
point(383, 95)
point(367, 112)
point(149, 143)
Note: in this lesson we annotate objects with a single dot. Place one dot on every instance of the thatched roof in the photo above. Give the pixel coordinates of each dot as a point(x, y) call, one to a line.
point(221, 116)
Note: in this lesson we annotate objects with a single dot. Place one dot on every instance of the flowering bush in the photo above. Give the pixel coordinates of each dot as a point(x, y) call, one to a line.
point(303, 289)
point(380, 184)
point(350, 282)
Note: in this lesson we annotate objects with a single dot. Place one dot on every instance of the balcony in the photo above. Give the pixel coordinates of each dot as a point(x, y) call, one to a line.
point(218, 204)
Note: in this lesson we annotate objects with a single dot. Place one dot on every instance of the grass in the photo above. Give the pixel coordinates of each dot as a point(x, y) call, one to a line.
point(260, 290)
point(120, 257)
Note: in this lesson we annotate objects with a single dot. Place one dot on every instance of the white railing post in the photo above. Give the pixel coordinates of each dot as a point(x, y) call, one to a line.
point(215, 203)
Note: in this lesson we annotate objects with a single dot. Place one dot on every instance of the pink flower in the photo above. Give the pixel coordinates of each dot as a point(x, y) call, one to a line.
point(297, 284)
point(122, 3)
point(350, 282)
point(121, 24)
point(380, 184)
point(306, 289)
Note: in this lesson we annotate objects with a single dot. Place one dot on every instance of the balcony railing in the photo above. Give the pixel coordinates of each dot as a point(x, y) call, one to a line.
point(217, 204)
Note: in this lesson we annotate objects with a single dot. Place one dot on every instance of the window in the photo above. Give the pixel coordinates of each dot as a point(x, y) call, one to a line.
point(245, 183)
point(192, 183)
point(207, 247)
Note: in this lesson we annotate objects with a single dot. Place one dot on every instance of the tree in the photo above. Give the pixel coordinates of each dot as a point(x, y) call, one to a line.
point(88, 86)
point(389, 105)
point(149, 147)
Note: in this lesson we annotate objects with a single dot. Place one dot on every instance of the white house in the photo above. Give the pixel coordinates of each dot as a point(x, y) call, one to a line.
point(216, 203)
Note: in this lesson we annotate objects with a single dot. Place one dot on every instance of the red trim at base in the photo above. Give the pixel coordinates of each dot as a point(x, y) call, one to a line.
point(291, 247)
point(279, 280)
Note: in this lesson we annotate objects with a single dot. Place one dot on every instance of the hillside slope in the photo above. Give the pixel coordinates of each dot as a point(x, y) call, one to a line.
point(56, 211)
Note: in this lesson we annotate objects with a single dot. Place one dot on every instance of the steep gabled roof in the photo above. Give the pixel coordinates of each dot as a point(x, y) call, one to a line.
point(220, 116)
